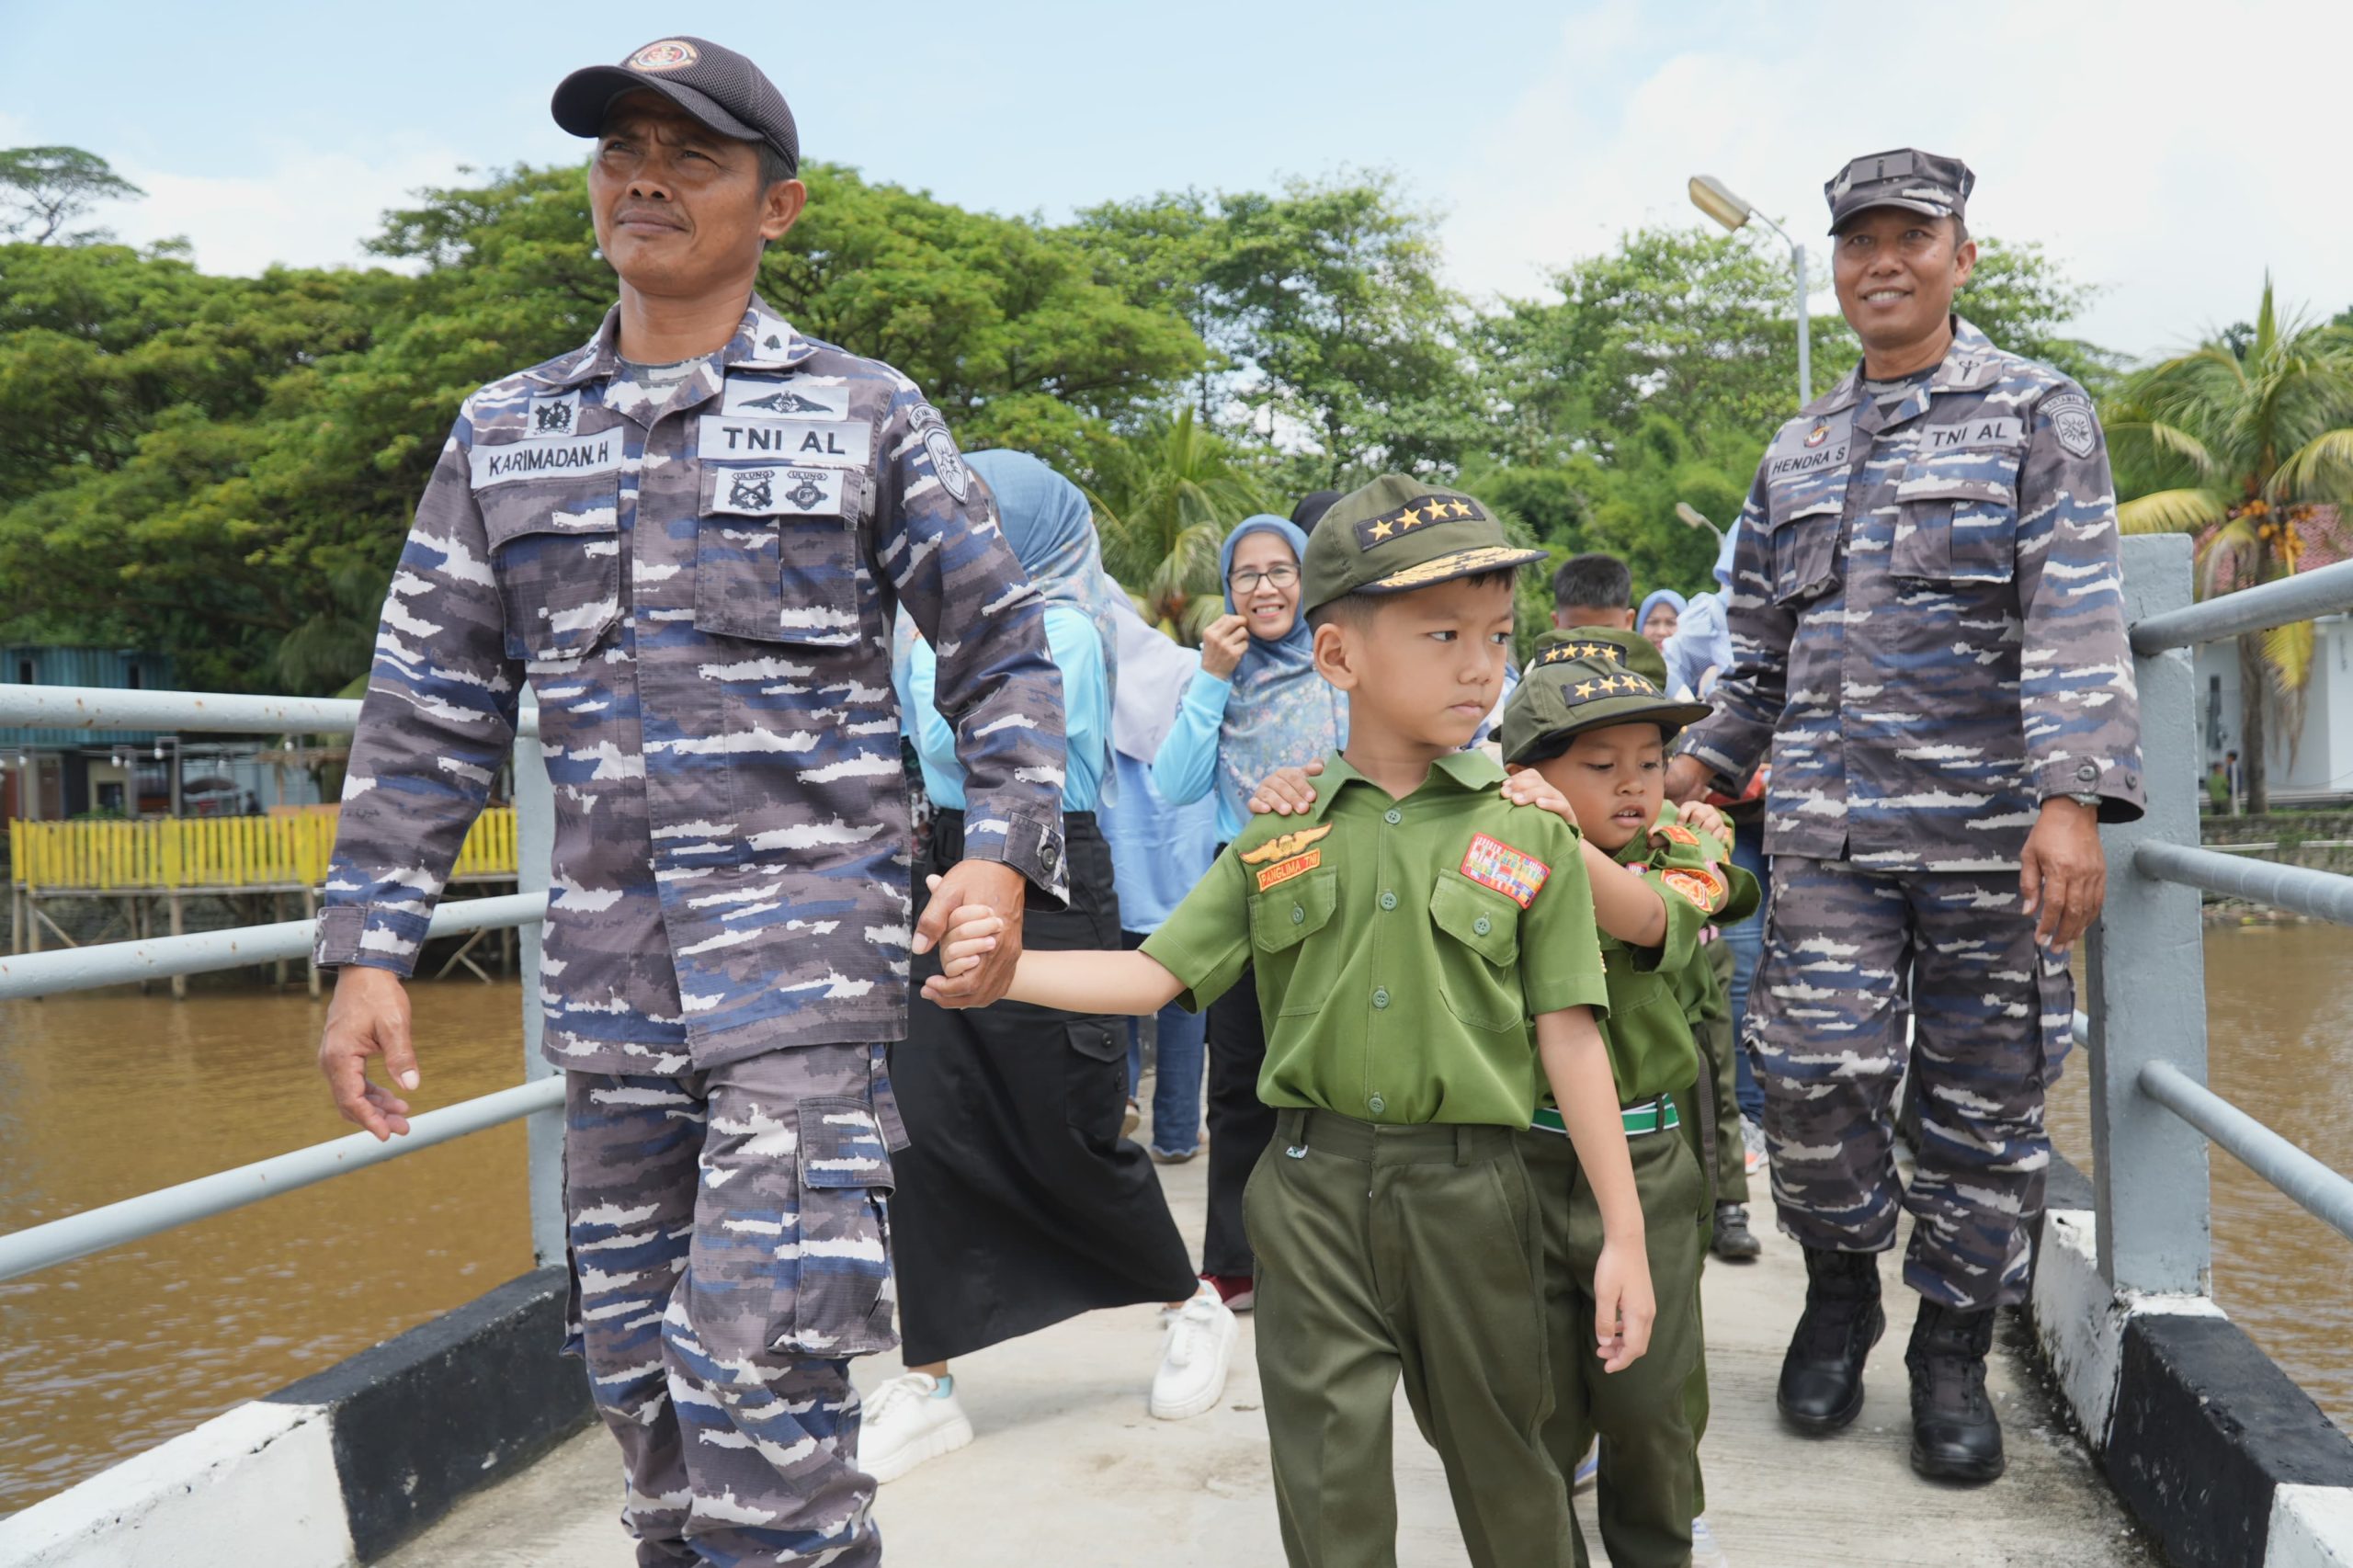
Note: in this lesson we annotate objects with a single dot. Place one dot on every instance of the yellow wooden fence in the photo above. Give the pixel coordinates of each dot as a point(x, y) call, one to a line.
point(216, 852)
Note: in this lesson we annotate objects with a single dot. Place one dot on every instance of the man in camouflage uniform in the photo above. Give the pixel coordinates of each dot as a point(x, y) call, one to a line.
point(690, 536)
point(1927, 630)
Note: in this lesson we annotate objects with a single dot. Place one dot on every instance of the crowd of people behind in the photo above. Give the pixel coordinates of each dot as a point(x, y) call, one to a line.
point(1021, 1200)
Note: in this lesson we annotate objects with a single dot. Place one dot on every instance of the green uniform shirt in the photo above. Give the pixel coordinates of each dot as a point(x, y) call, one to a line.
point(1652, 1049)
point(1393, 942)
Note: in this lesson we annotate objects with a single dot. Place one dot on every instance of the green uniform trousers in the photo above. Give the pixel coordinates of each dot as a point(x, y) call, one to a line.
point(1649, 1462)
point(1711, 1027)
point(1403, 1251)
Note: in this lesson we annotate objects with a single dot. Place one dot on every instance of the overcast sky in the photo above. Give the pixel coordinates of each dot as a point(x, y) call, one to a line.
point(2160, 150)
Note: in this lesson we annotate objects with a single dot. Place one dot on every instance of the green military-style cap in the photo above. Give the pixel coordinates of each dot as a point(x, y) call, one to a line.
point(1399, 533)
point(1632, 649)
point(1581, 682)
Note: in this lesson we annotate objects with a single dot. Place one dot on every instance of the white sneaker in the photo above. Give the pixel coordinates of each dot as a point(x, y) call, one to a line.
point(1753, 1137)
point(1705, 1552)
point(1193, 1356)
point(908, 1420)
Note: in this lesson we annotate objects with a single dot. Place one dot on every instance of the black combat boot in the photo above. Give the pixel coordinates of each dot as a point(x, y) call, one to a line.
point(1955, 1433)
point(1822, 1376)
point(1734, 1240)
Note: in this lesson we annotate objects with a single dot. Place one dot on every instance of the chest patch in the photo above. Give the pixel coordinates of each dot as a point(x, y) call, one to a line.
point(1283, 871)
point(840, 443)
point(600, 453)
point(1514, 873)
point(746, 397)
point(1706, 888)
point(558, 416)
point(774, 492)
point(1283, 846)
point(1810, 446)
point(1967, 434)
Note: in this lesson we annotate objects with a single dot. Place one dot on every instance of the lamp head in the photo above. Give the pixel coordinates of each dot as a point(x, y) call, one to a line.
point(1710, 196)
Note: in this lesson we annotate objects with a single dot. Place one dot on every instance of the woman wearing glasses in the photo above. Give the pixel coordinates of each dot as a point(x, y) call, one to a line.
point(1258, 705)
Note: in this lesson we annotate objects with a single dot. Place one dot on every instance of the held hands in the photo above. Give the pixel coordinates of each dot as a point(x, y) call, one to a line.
point(990, 885)
point(1224, 644)
point(972, 933)
point(2062, 875)
point(1623, 1307)
point(369, 1017)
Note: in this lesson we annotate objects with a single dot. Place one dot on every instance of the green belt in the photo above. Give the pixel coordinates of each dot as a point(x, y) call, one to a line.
point(1651, 1115)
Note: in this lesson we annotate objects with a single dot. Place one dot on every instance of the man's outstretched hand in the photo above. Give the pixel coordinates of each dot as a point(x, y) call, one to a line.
point(989, 884)
point(369, 1017)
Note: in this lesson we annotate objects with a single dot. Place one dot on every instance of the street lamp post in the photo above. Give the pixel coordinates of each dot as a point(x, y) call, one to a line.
point(1710, 196)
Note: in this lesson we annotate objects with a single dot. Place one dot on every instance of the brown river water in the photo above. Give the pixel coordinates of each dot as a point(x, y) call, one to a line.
point(106, 1094)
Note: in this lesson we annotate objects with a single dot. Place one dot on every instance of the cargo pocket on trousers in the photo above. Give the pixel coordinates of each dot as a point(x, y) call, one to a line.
point(842, 1299)
point(1096, 1082)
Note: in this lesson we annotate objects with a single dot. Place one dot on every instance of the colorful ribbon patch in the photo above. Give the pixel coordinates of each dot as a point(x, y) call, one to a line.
point(1513, 873)
point(1706, 888)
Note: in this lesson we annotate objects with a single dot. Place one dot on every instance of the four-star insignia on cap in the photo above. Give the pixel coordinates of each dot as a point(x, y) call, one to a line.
point(1420, 513)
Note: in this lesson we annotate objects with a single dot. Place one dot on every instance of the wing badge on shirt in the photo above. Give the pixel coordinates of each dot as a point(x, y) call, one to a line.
point(1286, 856)
point(1514, 873)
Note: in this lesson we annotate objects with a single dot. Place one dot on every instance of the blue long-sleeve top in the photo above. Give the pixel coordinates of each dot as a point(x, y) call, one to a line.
point(1186, 768)
point(1077, 651)
point(1158, 851)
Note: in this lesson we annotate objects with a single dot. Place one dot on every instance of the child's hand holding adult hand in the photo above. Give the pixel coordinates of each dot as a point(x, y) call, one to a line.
point(1623, 1308)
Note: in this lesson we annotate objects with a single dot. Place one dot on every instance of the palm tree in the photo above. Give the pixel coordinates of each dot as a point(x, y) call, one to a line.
point(2239, 441)
point(1163, 502)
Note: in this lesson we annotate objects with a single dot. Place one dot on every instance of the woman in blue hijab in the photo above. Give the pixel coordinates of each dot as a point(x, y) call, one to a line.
point(1018, 1203)
point(1256, 706)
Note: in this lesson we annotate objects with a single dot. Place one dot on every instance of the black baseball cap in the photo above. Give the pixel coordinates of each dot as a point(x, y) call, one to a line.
point(720, 87)
point(1927, 183)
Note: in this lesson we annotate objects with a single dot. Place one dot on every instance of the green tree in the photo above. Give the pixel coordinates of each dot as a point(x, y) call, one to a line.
point(1163, 502)
point(2239, 445)
point(44, 188)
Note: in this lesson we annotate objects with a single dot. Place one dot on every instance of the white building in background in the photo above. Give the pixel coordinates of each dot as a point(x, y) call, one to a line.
point(2322, 765)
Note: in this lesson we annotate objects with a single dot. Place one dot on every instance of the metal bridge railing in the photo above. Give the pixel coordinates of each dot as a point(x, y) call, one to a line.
point(540, 1099)
point(2153, 1116)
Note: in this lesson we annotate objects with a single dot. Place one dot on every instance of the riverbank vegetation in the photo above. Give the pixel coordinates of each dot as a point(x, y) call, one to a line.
point(222, 467)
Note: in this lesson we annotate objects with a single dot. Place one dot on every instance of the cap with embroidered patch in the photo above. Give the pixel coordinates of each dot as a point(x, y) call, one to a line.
point(1581, 683)
point(720, 87)
point(1399, 533)
point(1633, 650)
point(1929, 183)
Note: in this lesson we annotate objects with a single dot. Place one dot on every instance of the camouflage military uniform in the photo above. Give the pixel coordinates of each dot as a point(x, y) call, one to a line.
point(1927, 630)
point(698, 582)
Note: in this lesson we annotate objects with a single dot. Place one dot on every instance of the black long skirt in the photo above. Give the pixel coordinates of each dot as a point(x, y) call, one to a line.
point(1018, 1203)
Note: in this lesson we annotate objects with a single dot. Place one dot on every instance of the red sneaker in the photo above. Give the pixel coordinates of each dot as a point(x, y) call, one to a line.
point(1238, 1291)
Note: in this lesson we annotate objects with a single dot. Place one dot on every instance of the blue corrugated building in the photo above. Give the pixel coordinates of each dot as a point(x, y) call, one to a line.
point(51, 772)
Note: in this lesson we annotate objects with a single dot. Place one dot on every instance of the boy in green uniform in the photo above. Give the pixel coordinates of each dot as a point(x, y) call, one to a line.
point(1396, 1228)
point(1597, 730)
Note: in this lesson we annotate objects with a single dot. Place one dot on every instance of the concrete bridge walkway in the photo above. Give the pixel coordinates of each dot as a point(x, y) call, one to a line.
point(1067, 1470)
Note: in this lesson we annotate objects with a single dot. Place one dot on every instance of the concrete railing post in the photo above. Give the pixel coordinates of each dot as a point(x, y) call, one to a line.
point(2147, 965)
point(534, 846)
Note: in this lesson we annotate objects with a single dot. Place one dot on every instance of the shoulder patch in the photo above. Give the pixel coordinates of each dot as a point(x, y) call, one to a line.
point(1284, 844)
point(947, 462)
point(1706, 888)
point(1514, 873)
point(2073, 422)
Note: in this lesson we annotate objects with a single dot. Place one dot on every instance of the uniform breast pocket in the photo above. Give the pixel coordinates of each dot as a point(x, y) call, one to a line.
point(1957, 519)
point(555, 553)
point(777, 552)
point(1284, 915)
point(1806, 516)
point(1478, 954)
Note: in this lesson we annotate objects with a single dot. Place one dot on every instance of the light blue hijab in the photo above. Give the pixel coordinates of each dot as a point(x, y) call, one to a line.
point(1052, 529)
point(1280, 713)
point(1654, 598)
